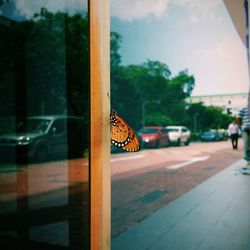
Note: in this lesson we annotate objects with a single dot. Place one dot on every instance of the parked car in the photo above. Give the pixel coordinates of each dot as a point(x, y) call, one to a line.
point(178, 135)
point(210, 136)
point(154, 136)
point(39, 137)
point(222, 135)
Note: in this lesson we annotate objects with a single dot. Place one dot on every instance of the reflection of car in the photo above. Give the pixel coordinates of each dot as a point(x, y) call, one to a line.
point(39, 137)
point(178, 135)
point(154, 136)
point(210, 136)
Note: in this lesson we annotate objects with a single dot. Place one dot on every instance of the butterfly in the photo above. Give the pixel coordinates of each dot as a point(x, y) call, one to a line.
point(122, 135)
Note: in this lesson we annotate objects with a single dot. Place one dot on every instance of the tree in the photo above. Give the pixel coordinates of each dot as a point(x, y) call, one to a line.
point(125, 98)
point(207, 117)
point(158, 119)
point(49, 53)
point(115, 57)
point(4, 1)
point(149, 87)
point(46, 64)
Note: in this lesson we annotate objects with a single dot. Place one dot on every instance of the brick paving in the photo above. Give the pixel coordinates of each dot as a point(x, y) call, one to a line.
point(138, 194)
point(46, 205)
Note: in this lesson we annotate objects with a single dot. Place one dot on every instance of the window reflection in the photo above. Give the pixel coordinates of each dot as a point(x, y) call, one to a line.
point(44, 125)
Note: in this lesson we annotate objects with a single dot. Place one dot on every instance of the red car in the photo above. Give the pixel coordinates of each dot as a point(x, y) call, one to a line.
point(154, 136)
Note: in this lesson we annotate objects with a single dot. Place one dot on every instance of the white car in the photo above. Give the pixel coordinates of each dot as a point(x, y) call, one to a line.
point(178, 135)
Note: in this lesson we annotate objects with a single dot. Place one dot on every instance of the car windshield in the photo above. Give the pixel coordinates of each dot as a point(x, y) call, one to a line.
point(148, 130)
point(209, 133)
point(34, 125)
point(173, 130)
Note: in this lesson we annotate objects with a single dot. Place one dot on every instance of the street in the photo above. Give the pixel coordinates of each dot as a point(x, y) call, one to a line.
point(147, 180)
point(142, 182)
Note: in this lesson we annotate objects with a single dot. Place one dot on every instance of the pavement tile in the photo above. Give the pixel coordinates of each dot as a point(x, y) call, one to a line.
point(213, 215)
point(129, 188)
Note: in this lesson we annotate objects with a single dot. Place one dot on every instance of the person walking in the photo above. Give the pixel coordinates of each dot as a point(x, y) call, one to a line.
point(233, 131)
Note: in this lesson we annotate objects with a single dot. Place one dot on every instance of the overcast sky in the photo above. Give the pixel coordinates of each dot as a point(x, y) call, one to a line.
point(197, 35)
point(19, 9)
point(185, 34)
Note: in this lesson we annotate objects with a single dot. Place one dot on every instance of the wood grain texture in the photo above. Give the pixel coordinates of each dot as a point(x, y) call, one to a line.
point(100, 129)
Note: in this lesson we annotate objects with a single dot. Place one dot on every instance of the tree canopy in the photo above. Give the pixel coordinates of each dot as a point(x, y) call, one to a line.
point(148, 94)
point(45, 62)
point(49, 53)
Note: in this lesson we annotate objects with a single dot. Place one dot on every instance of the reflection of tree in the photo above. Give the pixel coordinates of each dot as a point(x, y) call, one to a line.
point(44, 67)
point(3, 1)
point(45, 60)
point(48, 56)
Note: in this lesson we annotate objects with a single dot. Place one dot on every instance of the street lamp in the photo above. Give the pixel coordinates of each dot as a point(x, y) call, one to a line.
point(143, 109)
point(195, 122)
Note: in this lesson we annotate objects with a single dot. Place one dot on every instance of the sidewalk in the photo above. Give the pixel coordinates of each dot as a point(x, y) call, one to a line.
point(214, 215)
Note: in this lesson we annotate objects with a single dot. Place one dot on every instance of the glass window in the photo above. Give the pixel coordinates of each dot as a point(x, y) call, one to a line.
point(44, 124)
point(164, 130)
point(162, 54)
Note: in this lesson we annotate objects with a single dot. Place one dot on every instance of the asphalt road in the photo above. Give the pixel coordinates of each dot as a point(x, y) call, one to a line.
point(147, 180)
point(142, 182)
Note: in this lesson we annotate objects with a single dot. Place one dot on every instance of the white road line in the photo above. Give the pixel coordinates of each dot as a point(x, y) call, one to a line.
point(176, 152)
point(127, 158)
point(159, 152)
point(183, 164)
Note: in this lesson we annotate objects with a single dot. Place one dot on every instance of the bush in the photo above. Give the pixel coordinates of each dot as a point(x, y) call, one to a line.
point(157, 119)
point(195, 136)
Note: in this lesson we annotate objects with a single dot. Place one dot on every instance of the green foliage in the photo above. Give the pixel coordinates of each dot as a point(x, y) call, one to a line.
point(157, 119)
point(149, 88)
point(47, 60)
point(207, 118)
point(44, 67)
point(148, 92)
point(4, 1)
point(115, 41)
point(49, 53)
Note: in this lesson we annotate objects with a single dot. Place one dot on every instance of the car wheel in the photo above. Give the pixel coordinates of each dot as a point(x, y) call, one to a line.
point(187, 142)
point(178, 143)
point(157, 144)
point(41, 154)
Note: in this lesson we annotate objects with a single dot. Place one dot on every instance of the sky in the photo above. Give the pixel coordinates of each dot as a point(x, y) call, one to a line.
point(25, 9)
point(192, 35)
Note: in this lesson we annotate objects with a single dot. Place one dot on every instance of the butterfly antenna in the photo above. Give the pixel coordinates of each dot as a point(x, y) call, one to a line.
point(112, 105)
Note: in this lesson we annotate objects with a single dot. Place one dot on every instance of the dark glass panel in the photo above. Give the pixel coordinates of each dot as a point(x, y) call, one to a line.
point(44, 125)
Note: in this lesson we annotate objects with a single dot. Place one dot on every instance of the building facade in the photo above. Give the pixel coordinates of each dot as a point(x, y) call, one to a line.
point(231, 103)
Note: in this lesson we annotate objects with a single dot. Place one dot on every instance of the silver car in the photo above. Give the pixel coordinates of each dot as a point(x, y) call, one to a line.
point(39, 137)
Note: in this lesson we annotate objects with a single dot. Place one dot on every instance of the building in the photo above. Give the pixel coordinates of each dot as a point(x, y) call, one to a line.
point(229, 102)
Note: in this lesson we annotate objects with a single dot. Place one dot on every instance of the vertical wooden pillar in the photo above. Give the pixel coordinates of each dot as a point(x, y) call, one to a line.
point(100, 128)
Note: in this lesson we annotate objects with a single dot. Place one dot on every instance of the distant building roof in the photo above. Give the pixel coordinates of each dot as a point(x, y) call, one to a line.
point(4, 21)
point(233, 101)
point(220, 95)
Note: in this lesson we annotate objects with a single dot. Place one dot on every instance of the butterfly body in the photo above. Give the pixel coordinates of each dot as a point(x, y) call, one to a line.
point(122, 135)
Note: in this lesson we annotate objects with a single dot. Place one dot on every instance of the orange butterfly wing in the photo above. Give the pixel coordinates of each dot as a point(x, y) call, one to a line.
point(122, 135)
point(134, 144)
point(119, 130)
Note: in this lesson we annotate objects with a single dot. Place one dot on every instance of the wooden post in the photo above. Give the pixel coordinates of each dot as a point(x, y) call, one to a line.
point(100, 127)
